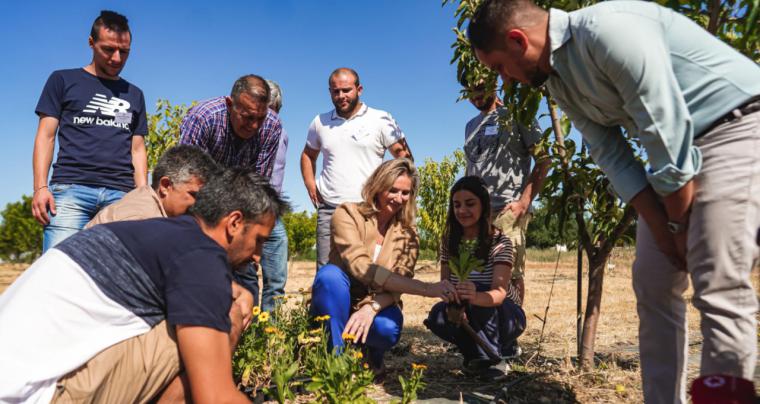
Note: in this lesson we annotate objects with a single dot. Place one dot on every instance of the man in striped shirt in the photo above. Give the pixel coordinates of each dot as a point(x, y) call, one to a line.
point(240, 130)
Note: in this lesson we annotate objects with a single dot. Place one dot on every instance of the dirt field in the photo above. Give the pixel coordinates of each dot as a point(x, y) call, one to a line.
point(548, 376)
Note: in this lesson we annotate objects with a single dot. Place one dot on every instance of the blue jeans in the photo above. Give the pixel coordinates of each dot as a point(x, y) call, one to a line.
point(498, 327)
point(274, 268)
point(331, 295)
point(75, 206)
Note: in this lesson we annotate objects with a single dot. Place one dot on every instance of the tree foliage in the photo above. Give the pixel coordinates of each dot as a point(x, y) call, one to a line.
point(544, 230)
point(163, 129)
point(20, 234)
point(301, 230)
point(436, 179)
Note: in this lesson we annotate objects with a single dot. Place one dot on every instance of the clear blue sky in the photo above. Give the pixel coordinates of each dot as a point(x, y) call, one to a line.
point(191, 50)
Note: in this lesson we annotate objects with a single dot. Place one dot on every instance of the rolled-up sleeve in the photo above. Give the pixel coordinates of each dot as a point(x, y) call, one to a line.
point(613, 154)
point(638, 63)
point(349, 243)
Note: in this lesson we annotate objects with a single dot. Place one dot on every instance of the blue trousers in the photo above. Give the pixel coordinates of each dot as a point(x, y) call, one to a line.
point(274, 269)
point(498, 327)
point(331, 296)
point(75, 206)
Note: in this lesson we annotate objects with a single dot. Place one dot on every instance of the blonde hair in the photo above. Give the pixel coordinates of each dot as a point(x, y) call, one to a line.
point(382, 180)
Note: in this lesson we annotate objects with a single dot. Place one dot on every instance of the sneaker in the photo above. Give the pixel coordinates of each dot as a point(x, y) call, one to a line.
point(486, 370)
point(511, 351)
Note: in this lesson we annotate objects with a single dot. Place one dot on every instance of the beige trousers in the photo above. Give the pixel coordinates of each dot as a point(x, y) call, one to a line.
point(515, 230)
point(721, 251)
point(133, 371)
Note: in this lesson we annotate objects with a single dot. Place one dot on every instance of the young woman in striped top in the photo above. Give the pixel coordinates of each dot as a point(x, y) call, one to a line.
point(493, 309)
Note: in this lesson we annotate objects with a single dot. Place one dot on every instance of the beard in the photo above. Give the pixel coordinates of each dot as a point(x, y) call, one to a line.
point(352, 103)
point(484, 104)
point(537, 78)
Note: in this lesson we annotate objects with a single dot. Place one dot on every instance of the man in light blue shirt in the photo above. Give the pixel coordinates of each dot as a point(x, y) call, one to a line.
point(692, 101)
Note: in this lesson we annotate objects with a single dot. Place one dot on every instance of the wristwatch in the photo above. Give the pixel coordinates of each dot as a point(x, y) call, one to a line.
point(375, 306)
point(676, 227)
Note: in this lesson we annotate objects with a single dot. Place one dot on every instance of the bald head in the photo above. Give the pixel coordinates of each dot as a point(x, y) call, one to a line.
point(344, 71)
point(495, 17)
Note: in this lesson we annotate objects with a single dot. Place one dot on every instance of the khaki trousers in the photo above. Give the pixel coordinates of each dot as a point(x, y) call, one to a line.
point(721, 251)
point(133, 371)
point(515, 230)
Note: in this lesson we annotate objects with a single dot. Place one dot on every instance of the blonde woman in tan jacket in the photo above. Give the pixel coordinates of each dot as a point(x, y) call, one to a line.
point(374, 247)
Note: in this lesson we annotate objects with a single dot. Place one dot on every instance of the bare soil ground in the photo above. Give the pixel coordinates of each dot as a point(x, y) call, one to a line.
point(545, 373)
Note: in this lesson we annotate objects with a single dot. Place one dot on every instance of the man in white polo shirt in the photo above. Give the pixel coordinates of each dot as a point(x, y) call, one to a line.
point(353, 139)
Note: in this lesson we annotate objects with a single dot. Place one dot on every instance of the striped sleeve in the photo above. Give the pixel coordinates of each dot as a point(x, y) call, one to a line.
point(444, 252)
point(501, 251)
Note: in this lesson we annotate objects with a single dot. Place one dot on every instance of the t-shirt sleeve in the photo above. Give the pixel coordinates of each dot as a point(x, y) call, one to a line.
point(312, 138)
point(531, 135)
point(141, 118)
point(51, 99)
point(390, 131)
point(198, 290)
point(501, 251)
point(444, 252)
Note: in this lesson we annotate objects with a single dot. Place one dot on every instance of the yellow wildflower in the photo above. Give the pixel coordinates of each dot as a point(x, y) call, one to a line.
point(365, 366)
point(322, 318)
point(270, 330)
point(256, 311)
point(348, 337)
point(263, 317)
point(358, 355)
point(416, 366)
point(304, 340)
point(315, 331)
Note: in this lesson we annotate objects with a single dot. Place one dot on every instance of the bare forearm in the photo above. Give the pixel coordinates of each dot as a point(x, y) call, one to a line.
point(535, 182)
point(308, 170)
point(41, 159)
point(401, 284)
point(678, 204)
point(384, 300)
point(648, 207)
point(139, 161)
point(491, 298)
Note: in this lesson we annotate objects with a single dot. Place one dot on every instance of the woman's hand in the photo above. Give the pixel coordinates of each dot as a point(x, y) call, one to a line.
point(443, 290)
point(466, 290)
point(360, 322)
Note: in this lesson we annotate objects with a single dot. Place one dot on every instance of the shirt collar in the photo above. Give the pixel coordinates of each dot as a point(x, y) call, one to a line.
point(559, 31)
point(362, 111)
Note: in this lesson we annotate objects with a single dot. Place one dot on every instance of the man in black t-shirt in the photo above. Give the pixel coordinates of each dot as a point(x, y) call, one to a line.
point(100, 120)
point(123, 284)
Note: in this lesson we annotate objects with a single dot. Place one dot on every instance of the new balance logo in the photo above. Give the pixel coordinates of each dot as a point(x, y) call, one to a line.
point(106, 106)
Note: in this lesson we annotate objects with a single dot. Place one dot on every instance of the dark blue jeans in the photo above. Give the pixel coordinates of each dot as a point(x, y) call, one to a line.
point(497, 326)
point(331, 296)
point(274, 269)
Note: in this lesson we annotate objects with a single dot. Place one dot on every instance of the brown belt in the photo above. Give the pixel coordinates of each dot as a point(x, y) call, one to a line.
point(750, 106)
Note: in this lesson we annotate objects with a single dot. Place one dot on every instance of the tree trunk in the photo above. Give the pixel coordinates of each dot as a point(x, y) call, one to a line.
point(597, 266)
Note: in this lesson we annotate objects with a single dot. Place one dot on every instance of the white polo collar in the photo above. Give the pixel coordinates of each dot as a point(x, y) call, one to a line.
point(362, 111)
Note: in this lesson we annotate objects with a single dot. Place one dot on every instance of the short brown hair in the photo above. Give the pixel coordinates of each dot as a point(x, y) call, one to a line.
point(112, 21)
point(493, 17)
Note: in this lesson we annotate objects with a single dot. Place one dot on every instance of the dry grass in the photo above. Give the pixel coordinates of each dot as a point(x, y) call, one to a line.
point(546, 377)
